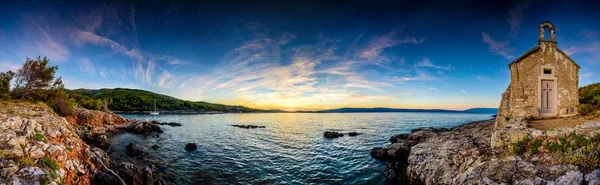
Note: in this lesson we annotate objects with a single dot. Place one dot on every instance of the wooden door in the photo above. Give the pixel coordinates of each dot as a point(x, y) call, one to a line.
point(547, 96)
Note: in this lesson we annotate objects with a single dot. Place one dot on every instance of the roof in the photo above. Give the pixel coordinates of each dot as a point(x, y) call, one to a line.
point(534, 50)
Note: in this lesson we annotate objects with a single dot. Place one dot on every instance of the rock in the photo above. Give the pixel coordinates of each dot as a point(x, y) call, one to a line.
point(400, 150)
point(173, 124)
point(353, 133)
point(28, 175)
point(134, 175)
point(11, 123)
point(395, 138)
point(132, 151)
point(571, 177)
point(593, 177)
point(190, 146)
point(143, 127)
point(248, 126)
point(154, 147)
point(332, 134)
point(379, 153)
point(35, 152)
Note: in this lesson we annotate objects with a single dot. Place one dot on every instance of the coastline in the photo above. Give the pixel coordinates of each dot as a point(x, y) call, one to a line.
point(462, 155)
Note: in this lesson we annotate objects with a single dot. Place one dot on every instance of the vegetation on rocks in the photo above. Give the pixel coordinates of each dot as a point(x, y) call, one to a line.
point(48, 163)
point(589, 100)
point(575, 149)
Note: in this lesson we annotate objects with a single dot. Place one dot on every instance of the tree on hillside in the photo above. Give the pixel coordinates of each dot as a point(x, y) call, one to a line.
point(5, 78)
point(34, 77)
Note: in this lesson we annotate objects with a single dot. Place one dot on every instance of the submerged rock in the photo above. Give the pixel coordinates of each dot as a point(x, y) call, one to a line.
point(173, 124)
point(332, 134)
point(132, 151)
point(353, 133)
point(248, 126)
point(154, 147)
point(190, 146)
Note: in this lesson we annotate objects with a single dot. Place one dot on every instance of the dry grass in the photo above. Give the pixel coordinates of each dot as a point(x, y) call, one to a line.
point(553, 123)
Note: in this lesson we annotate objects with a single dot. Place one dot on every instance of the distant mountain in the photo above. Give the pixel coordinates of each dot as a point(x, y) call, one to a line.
point(482, 110)
point(381, 109)
point(135, 100)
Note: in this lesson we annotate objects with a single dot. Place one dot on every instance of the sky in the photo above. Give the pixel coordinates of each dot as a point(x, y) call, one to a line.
point(297, 55)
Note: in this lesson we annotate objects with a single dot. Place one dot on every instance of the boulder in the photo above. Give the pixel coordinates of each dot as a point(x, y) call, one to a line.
point(379, 153)
point(571, 177)
point(190, 146)
point(396, 138)
point(593, 177)
point(332, 134)
point(132, 151)
point(154, 147)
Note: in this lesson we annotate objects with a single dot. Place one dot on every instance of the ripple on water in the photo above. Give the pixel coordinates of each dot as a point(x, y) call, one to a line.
point(290, 150)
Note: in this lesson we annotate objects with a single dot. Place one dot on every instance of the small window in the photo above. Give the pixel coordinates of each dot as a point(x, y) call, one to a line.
point(547, 71)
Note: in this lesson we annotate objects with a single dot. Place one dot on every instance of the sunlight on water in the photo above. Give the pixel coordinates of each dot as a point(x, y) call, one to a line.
point(290, 150)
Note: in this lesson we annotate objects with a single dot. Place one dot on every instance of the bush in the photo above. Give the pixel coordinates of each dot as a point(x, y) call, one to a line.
point(517, 148)
point(69, 148)
point(585, 109)
point(93, 104)
point(48, 163)
point(586, 157)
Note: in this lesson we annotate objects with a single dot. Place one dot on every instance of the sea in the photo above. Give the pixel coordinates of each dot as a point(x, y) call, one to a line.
point(290, 149)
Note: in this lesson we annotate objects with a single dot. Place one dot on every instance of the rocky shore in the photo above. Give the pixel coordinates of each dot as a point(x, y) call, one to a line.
point(39, 147)
point(462, 155)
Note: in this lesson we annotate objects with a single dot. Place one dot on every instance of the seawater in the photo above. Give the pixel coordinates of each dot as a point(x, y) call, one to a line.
point(290, 150)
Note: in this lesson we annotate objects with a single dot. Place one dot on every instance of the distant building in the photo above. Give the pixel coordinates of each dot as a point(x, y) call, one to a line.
point(543, 83)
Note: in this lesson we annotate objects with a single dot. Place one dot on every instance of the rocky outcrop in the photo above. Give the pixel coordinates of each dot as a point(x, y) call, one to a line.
point(462, 155)
point(38, 147)
point(173, 124)
point(332, 134)
point(248, 126)
point(143, 127)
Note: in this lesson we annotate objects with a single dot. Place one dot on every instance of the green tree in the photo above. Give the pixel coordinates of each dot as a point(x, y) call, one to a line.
point(5, 78)
point(34, 77)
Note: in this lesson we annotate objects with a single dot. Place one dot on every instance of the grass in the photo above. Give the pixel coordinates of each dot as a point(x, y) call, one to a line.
point(48, 163)
point(24, 162)
point(39, 137)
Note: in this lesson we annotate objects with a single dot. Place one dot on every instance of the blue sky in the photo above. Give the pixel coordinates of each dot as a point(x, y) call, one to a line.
point(296, 55)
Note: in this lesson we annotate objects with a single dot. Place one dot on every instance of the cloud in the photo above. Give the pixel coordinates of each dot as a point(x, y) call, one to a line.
point(482, 78)
point(463, 91)
point(393, 38)
point(498, 48)
point(8, 66)
point(516, 15)
point(425, 62)
point(420, 76)
point(166, 80)
point(86, 66)
point(43, 39)
point(430, 88)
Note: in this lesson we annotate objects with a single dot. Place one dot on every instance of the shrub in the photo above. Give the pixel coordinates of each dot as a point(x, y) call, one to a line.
point(586, 157)
point(534, 145)
point(39, 137)
point(585, 109)
point(517, 148)
point(48, 163)
point(93, 104)
point(24, 162)
point(69, 148)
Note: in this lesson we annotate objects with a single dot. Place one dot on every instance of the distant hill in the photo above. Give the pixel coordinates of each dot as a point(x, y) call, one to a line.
point(135, 100)
point(380, 109)
point(482, 110)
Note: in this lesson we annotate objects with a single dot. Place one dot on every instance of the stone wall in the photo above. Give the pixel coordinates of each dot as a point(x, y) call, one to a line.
point(522, 98)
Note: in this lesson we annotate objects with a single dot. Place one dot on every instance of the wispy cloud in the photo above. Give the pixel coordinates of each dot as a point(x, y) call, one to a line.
point(86, 66)
point(425, 62)
point(516, 15)
point(481, 78)
point(498, 48)
point(393, 38)
point(43, 39)
point(463, 91)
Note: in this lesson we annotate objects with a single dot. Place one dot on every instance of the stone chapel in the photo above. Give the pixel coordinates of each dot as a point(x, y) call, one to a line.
point(543, 83)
